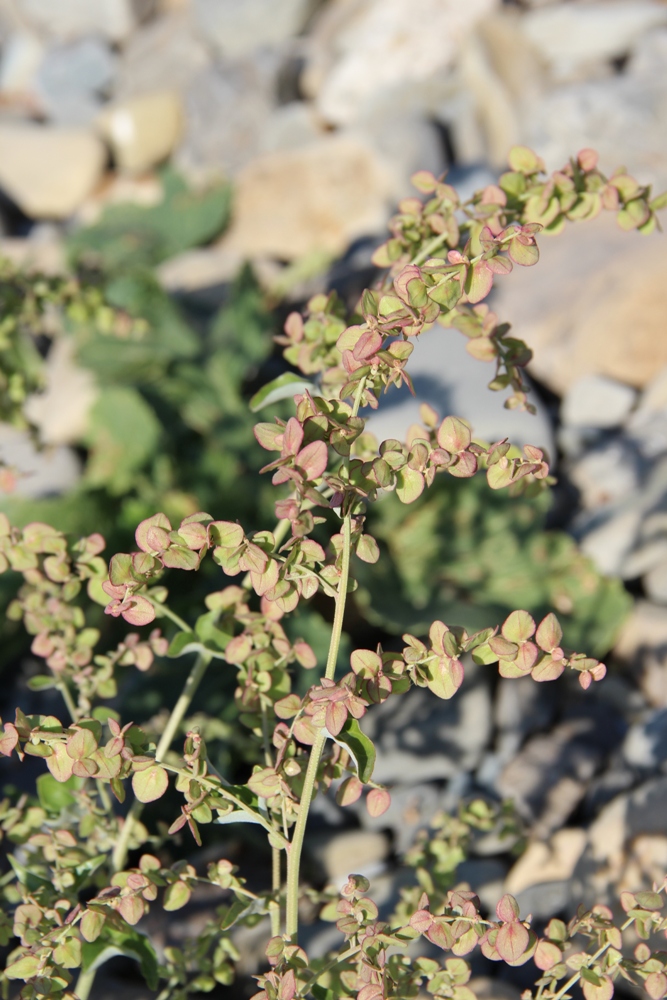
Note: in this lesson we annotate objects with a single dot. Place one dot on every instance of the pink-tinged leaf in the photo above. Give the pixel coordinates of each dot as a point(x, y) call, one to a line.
point(466, 943)
point(369, 343)
point(604, 991)
point(349, 791)
point(421, 920)
point(91, 925)
point(254, 559)
point(656, 985)
point(499, 476)
point(194, 535)
point(84, 768)
point(445, 677)
point(585, 679)
point(424, 181)
point(238, 649)
point(116, 592)
point(488, 945)
point(263, 582)
point(269, 436)
point(409, 484)
point(378, 801)
point(140, 612)
point(518, 627)
point(549, 633)
point(525, 658)
point(305, 731)
point(304, 654)
point(120, 571)
point(9, 739)
point(511, 669)
point(464, 467)
point(524, 160)
point(499, 265)
point(292, 437)
point(547, 955)
point(502, 647)
point(512, 941)
point(336, 717)
point(454, 435)
point(312, 460)
point(479, 282)
point(178, 557)
point(82, 743)
point(150, 784)
point(587, 159)
point(265, 782)
point(365, 663)
point(507, 909)
point(440, 934)
point(548, 669)
point(60, 764)
point(401, 281)
point(367, 549)
point(131, 908)
point(372, 991)
point(160, 521)
point(482, 348)
point(523, 253)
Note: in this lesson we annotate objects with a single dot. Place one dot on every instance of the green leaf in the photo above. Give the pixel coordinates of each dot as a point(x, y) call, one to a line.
point(123, 435)
point(56, 795)
point(150, 784)
point(359, 746)
point(25, 968)
point(285, 386)
point(524, 160)
point(177, 895)
point(41, 683)
point(409, 484)
point(182, 643)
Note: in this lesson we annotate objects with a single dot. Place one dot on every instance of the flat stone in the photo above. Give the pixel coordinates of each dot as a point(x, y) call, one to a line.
point(322, 197)
point(596, 401)
point(39, 474)
point(655, 583)
point(49, 171)
point(142, 131)
point(360, 49)
point(352, 852)
point(238, 29)
point(645, 745)
point(593, 284)
point(542, 862)
point(165, 54)
point(453, 382)
point(199, 268)
point(573, 37)
point(609, 540)
point(73, 79)
point(606, 474)
point(647, 862)
point(60, 413)
point(46, 256)
point(22, 54)
point(67, 19)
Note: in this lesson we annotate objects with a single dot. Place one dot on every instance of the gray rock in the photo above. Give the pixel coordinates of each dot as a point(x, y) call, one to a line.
point(404, 144)
point(642, 811)
point(655, 582)
point(573, 38)
point(343, 853)
point(165, 54)
point(485, 876)
point(430, 739)
point(645, 745)
point(607, 474)
point(67, 19)
point(39, 473)
point(22, 53)
point(609, 540)
point(73, 79)
point(238, 29)
point(49, 171)
point(454, 382)
point(290, 126)
point(596, 401)
point(412, 808)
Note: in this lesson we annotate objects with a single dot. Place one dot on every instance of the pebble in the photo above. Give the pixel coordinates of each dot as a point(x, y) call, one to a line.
point(142, 131)
point(596, 401)
point(68, 19)
point(73, 79)
point(237, 29)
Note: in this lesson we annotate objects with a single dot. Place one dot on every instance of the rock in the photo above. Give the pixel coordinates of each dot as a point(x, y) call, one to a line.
point(404, 144)
point(647, 862)
point(22, 54)
point(363, 50)
point(486, 877)
point(73, 79)
point(412, 808)
point(290, 126)
point(645, 744)
point(67, 19)
point(118, 189)
point(238, 29)
point(60, 413)
point(494, 105)
point(36, 474)
point(288, 204)
point(655, 583)
point(358, 852)
point(487, 988)
point(430, 739)
point(142, 131)
point(163, 55)
point(541, 862)
point(42, 252)
point(596, 401)
point(453, 382)
point(642, 643)
point(606, 474)
point(594, 305)
point(198, 269)
point(239, 98)
point(574, 38)
point(49, 171)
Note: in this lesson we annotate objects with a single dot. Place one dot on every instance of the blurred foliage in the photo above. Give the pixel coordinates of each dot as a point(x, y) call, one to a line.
point(467, 554)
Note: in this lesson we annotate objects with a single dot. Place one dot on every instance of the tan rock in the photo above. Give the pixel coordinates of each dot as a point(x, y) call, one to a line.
point(142, 131)
point(647, 862)
point(361, 852)
point(117, 189)
point(290, 203)
point(45, 256)
point(61, 412)
point(65, 19)
point(48, 171)
point(642, 643)
point(554, 861)
point(595, 303)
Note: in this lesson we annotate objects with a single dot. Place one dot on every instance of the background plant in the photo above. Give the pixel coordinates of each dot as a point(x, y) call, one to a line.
point(442, 258)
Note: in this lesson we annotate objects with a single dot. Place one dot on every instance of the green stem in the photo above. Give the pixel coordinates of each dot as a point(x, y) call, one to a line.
point(296, 847)
point(165, 612)
point(121, 849)
point(430, 247)
point(69, 701)
point(84, 984)
point(593, 958)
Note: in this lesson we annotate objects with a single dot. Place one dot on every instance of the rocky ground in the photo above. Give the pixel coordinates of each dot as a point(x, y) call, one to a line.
point(319, 112)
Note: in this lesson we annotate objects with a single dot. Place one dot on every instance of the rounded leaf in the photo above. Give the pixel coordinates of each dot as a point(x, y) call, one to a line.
point(140, 612)
point(409, 484)
point(507, 909)
point(604, 991)
point(91, 925)
point(656, 985)
point(378, 801)
point(512, 941)
point(454, 435)
point(518, 627)
point(548, 669)
point(547, 954)
point(549, 633)
point(176, 896)
point(150, 784)
point(524, 160)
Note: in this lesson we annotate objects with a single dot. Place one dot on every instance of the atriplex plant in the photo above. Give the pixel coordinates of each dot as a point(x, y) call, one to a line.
point(77, 903)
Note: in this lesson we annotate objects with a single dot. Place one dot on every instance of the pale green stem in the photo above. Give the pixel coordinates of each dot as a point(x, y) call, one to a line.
point(69, 701)
point(274, 905)
point(430, 248)
point(165, 612)
point(119, 856)
point(593, 958)
point(84, 984)
point(296, 847)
